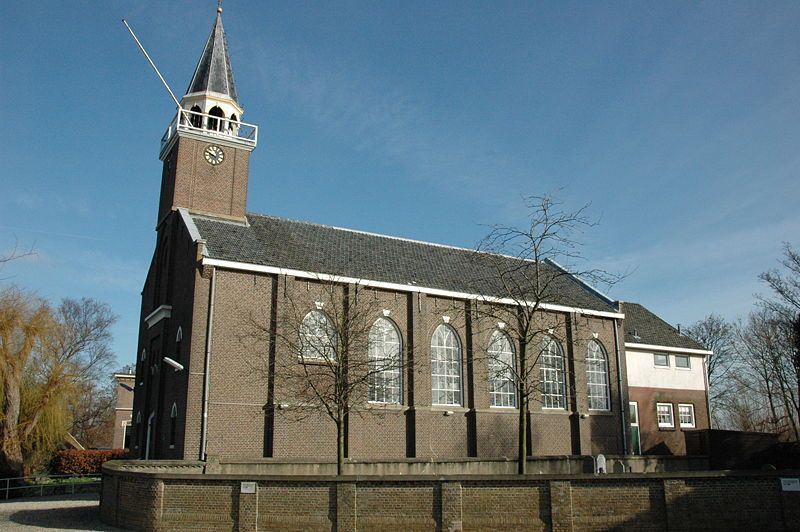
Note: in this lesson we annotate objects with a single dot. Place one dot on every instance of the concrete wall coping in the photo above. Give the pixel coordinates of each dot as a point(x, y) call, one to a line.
point(464, 459)
point(129, 468)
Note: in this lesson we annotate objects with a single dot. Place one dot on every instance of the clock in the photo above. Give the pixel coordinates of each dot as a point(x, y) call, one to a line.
point(214, 155)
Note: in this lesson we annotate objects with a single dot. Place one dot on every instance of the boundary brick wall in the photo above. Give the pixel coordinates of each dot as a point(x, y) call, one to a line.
point(167, 500)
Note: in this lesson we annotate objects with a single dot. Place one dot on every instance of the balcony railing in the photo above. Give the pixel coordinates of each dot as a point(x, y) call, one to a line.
point(212, 126)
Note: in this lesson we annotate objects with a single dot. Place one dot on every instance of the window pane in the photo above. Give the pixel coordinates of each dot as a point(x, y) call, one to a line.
point(317, 336)
point(445, 367)
point(664, 415)
point(661, 359)
point(597, 377)
point(501, 364)
point(686, 415)
point(384, 363)
point(551, 374)
point(682, 361)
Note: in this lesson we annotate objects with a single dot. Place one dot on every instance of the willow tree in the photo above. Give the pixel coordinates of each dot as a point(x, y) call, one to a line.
point(25, 323)
point(47, 359)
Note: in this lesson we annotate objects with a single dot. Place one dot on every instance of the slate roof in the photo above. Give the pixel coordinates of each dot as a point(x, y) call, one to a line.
point(214, 72)
point(282, 243)
point(652, 330)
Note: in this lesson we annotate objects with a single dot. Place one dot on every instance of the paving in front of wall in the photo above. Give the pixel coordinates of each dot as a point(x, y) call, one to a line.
point(57, 512)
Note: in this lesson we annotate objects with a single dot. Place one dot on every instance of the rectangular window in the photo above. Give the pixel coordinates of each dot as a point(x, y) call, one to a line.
point(633, 413)
point(661, 360)
point(686, 416)
point(682, 361)
point(664, 415)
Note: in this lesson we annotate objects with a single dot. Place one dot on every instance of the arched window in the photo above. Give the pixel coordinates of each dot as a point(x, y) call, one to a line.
point(317, 337)
point(197, 120)
point(597, 377)
point(551, 375)
point(143, 356)
point(173, 424)
point(445, 366)
point(501, 371)
point(384, 363)
point(178, 341)
point(215, 123)
point(233, 124)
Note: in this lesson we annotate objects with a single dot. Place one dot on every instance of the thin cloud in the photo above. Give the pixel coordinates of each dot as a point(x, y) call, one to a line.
point(379, 116)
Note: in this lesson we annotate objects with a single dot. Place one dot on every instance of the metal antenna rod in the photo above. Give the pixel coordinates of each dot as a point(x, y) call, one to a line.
point(174, 99)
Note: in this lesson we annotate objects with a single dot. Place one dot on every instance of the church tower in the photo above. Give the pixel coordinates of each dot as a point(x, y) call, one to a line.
point(206, 148)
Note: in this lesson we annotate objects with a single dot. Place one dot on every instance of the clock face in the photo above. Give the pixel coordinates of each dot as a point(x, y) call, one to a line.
point(214, 155)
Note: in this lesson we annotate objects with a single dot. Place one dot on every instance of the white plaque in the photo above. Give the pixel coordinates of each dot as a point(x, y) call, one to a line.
point(790, 484)
point(248, 487)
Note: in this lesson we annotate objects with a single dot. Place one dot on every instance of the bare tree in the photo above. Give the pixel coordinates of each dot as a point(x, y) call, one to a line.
point(47, 358)
point(332, 356)
point(765, 373)
point(716, 335)
point(14, 254)
point(517, 268)
point(786, 302)
point(93, 415)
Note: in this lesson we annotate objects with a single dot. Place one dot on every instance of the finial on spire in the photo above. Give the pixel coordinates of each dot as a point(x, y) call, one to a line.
point(219, 6)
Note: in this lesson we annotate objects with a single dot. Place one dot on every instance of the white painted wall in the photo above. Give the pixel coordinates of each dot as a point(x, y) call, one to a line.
point(643, 372)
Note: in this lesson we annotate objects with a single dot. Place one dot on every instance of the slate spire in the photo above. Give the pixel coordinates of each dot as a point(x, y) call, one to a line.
point(214, 72)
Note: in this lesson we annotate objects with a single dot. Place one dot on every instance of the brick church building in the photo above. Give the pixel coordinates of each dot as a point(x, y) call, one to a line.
point(204, 387)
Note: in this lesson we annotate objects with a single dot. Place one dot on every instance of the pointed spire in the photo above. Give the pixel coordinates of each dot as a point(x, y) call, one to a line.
point(214, 72)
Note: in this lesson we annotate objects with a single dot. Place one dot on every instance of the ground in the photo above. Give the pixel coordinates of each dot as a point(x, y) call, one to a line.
point(56, 512)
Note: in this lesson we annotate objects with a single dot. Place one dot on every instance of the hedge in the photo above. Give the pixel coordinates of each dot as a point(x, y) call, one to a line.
point(85, 462)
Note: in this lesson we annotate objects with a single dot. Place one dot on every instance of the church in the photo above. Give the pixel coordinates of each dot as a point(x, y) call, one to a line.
point(215, 355)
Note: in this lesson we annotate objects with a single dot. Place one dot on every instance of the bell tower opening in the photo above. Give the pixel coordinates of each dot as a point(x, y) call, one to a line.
point(215, 121)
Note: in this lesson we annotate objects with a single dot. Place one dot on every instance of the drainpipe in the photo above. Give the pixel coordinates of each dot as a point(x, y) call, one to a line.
point(622, 407)
point(708, 391)
point(207, 367)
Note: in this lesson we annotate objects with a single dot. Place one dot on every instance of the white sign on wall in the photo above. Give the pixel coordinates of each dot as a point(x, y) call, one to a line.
point(790, 484)
point(248, 487)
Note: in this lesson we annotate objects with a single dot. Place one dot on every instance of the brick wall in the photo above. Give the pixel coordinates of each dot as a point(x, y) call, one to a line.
point(252, 417)
point(657, 440)
point(709, 500)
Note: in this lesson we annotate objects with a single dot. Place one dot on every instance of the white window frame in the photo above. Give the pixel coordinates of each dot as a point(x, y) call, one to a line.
point(317, 337)
point(688, 425)
point(552, 376)
point(655, 358)
point(502, 387)
point(635, 405)
point(385, 354)
point(665, 424)
point(688, 362)
point(597, 370)
point(446, 389)
point(126, 428)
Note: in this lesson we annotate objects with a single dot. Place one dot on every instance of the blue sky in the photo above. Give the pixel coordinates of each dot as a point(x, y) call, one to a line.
point(679, 122)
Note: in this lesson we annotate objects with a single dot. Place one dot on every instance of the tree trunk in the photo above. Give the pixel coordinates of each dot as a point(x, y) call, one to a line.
point(797, 361)
point(522, 452)
point(11, 451)
point(522, 439)
point(340, 444)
